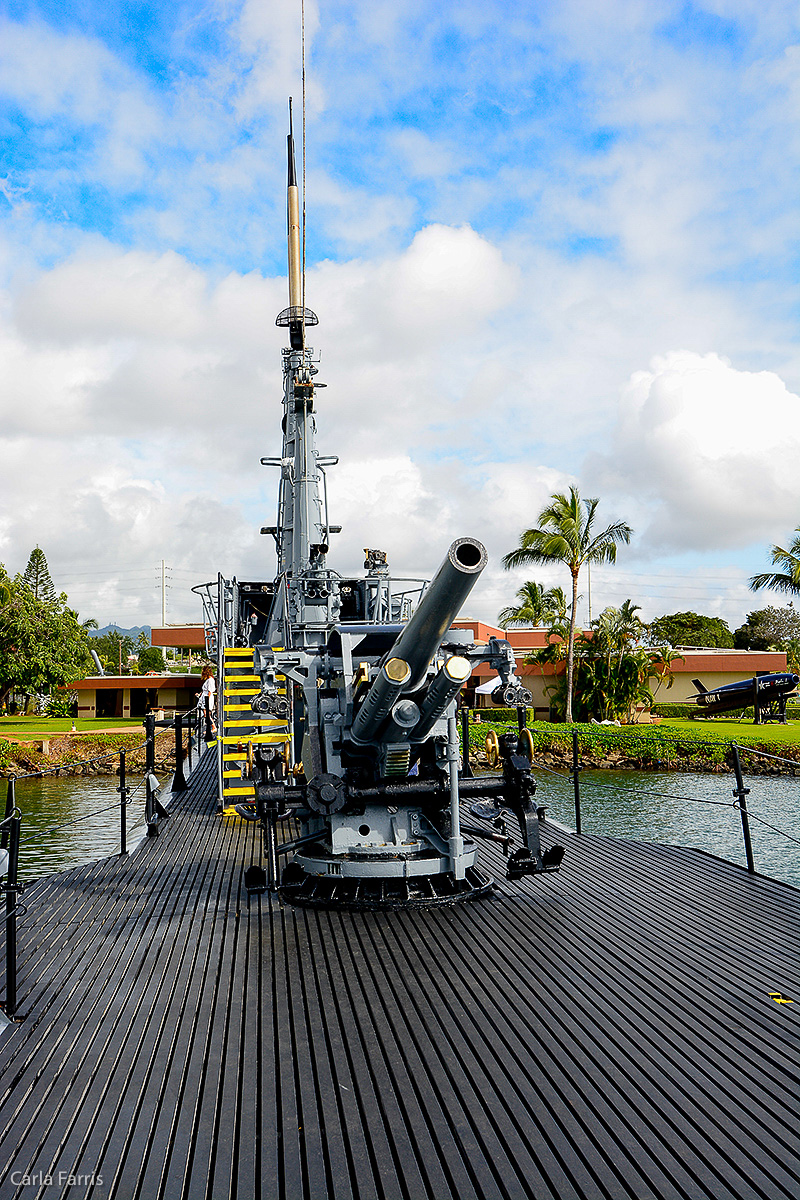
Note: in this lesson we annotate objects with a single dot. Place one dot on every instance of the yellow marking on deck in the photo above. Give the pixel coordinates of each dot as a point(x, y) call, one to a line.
point(779, 998)
point(257, 739)
point(252, 722)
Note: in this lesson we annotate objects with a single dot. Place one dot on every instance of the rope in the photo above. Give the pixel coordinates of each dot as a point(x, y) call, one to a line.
point(763, 754)
point(684, 799)
point(774, 828)
point(78, 762)
point(66, 824)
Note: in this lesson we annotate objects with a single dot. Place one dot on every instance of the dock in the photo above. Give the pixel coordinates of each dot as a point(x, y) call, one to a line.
point(614, 1030)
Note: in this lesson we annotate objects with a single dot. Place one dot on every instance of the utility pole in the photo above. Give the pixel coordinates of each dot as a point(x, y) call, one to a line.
point(162, 580)
point(589, 589)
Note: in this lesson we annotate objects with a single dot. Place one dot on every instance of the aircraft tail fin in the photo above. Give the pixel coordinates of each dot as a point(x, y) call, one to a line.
point(701, 687)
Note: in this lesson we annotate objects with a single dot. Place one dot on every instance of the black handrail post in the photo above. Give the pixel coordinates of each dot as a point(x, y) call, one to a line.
point(149, 766)
point(179, 783)
point(576, 770)
point(11, 804)
point(741, 792)
point(189, 740)
point(466, 769)
point(12, 890)
point(123, 801)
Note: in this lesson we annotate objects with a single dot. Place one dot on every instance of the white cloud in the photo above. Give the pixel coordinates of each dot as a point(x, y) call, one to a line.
point(712, 450)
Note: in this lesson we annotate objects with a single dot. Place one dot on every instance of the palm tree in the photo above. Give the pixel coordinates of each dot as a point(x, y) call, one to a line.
point(614, 632)
point(789, 579)
point(536, 605)
point(565, 534)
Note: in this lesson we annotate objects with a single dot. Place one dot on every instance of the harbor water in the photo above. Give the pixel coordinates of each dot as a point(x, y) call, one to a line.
point(64, 825)
point(685, 809)
point(67, 821)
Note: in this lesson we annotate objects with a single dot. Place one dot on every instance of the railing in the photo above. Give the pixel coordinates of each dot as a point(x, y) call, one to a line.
point(739, 802)
point(154, 812)
point(739, 791)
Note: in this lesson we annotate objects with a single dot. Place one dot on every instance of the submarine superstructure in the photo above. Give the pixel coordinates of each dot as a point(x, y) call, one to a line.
point(359, 790)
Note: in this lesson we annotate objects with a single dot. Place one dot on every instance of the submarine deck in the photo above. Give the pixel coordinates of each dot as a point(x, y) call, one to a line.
point(606, 1031)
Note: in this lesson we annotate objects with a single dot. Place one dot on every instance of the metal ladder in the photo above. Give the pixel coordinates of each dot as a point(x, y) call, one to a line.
point(240, 730)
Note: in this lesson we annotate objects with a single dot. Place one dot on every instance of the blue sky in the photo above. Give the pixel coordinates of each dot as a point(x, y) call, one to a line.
point(548, 242)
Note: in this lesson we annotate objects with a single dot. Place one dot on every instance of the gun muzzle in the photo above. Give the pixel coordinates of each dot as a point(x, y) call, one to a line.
point(438, 608)
point(449, 681)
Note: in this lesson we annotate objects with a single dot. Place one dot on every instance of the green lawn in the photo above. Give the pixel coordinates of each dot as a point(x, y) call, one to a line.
point(36, 727)
point(675, 739)
point(718, 729)
point(730, 730)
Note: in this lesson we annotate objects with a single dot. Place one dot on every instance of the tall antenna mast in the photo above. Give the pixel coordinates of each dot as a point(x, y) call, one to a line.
point(303, 65)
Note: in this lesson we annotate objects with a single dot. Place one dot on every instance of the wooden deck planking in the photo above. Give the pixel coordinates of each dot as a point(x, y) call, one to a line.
point(603, 1032)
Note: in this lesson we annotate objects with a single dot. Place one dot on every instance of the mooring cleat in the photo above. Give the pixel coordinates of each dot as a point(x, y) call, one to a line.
point(247, 809)
point(523, 863)
point(255, 880)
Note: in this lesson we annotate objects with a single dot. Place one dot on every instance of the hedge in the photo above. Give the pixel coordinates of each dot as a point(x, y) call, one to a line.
point(649, 746)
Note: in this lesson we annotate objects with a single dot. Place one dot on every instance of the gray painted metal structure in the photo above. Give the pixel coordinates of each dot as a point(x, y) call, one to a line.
point(370, 682)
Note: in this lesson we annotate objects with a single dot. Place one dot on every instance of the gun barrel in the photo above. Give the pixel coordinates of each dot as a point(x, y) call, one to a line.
point(447, 684)
point(386, 688)
point(438, 608)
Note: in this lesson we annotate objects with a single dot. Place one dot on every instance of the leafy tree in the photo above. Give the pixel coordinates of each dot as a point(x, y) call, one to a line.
point(690, 629)
point(113, 649)
point(62, 704)
point(536, 604)
point(565, 534)
point(787, 579)
point(42, 644)
point(5, 586)
point(151, 658)
point(36, 576)
point(768, 628)
point(614, 632)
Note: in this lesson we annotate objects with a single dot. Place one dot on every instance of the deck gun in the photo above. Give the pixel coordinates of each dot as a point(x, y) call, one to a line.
point(366, 671)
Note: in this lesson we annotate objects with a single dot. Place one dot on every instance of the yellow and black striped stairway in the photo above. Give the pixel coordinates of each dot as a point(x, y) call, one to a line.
point(240, 730)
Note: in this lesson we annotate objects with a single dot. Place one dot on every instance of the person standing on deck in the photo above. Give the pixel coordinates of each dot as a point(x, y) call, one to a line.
point(206, 699)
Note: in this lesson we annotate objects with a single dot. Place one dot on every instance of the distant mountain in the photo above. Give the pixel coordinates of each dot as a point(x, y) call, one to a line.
point(133, 632)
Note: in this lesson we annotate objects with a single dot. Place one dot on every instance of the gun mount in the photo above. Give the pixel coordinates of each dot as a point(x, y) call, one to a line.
point(357, 689)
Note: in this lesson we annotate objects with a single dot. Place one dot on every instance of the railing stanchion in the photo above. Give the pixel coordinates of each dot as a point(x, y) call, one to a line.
point(149, 765)
point(123, 801)
point(741, 793)
point(189, 741)
point(11, 828)
point(179, 783)
point(466, 769)
point(11, 804)
point(576, 770)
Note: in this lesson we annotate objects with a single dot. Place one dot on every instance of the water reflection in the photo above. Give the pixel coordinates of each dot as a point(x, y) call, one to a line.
point(662, 807)
point(48, 804)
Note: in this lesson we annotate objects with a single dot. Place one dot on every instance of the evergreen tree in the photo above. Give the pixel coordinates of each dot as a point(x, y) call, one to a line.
point(36, 576)
point(42, 644)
